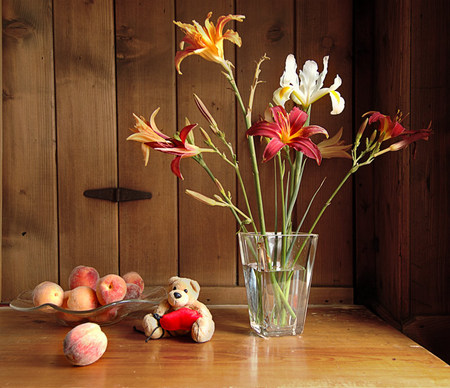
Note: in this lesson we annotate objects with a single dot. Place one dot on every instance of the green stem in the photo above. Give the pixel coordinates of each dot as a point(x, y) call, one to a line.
point(202, 163)
point(328, 203)
point(251, 144)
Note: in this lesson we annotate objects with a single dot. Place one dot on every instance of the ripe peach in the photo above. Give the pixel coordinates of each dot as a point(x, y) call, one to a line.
point(48, 292)
point(111, 288)
point(133, 291)
point(82, 298)
point(134, 277)
point(83, 275)
point(65, 316)
point(85, 344)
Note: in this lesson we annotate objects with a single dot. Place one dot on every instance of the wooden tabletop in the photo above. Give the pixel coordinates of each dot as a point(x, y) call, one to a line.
point(341, 346)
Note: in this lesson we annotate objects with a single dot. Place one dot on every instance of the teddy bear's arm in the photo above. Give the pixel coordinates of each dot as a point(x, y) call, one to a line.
point(163, 307)
point(202, 309)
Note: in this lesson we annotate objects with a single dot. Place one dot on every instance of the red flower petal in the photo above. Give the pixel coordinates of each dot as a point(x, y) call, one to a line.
point(272, 148)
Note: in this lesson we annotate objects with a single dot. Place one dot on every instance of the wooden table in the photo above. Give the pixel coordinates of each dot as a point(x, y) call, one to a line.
point(341, 346)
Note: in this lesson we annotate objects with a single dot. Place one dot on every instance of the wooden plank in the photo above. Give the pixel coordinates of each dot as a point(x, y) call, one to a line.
point(238, 296)
point(365, 244)
point(30, 251)
point(265, 30)
point(86, 125)
point(1, 151)
point(145, 81)
point(207, 234)
point(392, 218)
point(320, 32)
point(341, 346)
point(430, 202)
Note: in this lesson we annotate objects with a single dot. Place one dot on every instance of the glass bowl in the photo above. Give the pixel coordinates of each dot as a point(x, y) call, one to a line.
point(103, 315)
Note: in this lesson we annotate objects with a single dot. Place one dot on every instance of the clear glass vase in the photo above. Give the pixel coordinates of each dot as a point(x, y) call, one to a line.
point(278, 271)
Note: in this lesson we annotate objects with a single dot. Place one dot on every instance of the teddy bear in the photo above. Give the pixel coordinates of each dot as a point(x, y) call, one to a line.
point(180, 314)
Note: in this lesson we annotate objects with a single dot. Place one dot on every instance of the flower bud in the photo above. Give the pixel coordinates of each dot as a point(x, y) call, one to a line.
point(205, 112)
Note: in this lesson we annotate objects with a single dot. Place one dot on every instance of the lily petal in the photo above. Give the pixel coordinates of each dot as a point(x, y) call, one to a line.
point(272, 149)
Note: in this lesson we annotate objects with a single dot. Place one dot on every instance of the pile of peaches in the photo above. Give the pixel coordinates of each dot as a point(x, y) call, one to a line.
point(87, 290)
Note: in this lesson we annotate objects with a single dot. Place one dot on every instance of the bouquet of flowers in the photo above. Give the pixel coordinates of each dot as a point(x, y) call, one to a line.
point(273, 259)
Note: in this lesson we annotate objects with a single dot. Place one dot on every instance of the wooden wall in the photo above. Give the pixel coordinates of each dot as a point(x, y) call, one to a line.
point(402, 206)
point(74, 71)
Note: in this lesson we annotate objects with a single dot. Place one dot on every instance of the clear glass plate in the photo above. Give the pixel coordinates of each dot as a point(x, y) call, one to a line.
point(103, 315)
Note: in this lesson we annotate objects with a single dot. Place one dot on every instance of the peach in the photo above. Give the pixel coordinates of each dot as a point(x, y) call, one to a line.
point(82, 298)
point(83, 275)
point(111, 288)
point(85, 344)
point(133, 291)
point(134, 277)
point(65, 316)
point(48, 292)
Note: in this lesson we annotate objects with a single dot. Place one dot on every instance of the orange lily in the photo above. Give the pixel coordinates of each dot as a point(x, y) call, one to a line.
point(150, 137)
point(334, 147)
point(147, 133)
point(207, 41)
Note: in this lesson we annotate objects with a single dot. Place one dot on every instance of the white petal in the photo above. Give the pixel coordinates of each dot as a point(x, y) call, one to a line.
point(308, 79)
point(337, 82)
point(289, 77)
point(322, 76)
point(337, 101)
point(281, 95)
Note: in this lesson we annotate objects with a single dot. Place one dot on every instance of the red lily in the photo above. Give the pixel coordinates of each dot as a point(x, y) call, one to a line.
point(388, 128)
point(150, 137)
point(178, 147)
point(288, 129)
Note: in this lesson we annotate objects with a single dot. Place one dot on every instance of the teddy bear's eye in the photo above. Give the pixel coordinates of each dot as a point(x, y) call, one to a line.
point(174, 288)
point(186, 290)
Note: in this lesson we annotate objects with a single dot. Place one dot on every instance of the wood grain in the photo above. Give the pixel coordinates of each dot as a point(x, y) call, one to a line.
point(345, 346)
point(430, 201)
point(30, 228)
point(238, 296)
point(207, 234)
point(266, 30)
point(320, 32)
point(392, 221)
point(87, 138)
point(1, 155)
point(146, 81)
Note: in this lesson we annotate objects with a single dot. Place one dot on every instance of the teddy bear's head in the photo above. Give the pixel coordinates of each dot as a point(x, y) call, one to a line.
point(182, 291)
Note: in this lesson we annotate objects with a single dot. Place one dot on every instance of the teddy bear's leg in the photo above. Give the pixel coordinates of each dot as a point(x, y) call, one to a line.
point(202, 329)
point(151, 327)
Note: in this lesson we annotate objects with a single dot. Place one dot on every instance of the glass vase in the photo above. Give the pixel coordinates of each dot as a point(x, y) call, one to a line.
point(277, 271)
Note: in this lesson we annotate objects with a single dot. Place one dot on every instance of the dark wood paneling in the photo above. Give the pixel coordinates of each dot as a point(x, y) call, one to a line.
point(402, 211)
point(430, 201)
point(324, 28)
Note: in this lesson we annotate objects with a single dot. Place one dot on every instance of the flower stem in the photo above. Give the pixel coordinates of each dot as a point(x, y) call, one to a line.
point(251, 144)
point(202, 163)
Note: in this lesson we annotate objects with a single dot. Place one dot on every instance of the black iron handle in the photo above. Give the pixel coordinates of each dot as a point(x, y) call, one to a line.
point(117, 194)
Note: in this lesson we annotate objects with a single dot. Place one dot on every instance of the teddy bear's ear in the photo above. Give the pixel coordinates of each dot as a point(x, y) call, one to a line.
point(173, 279)
point(195, 286)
